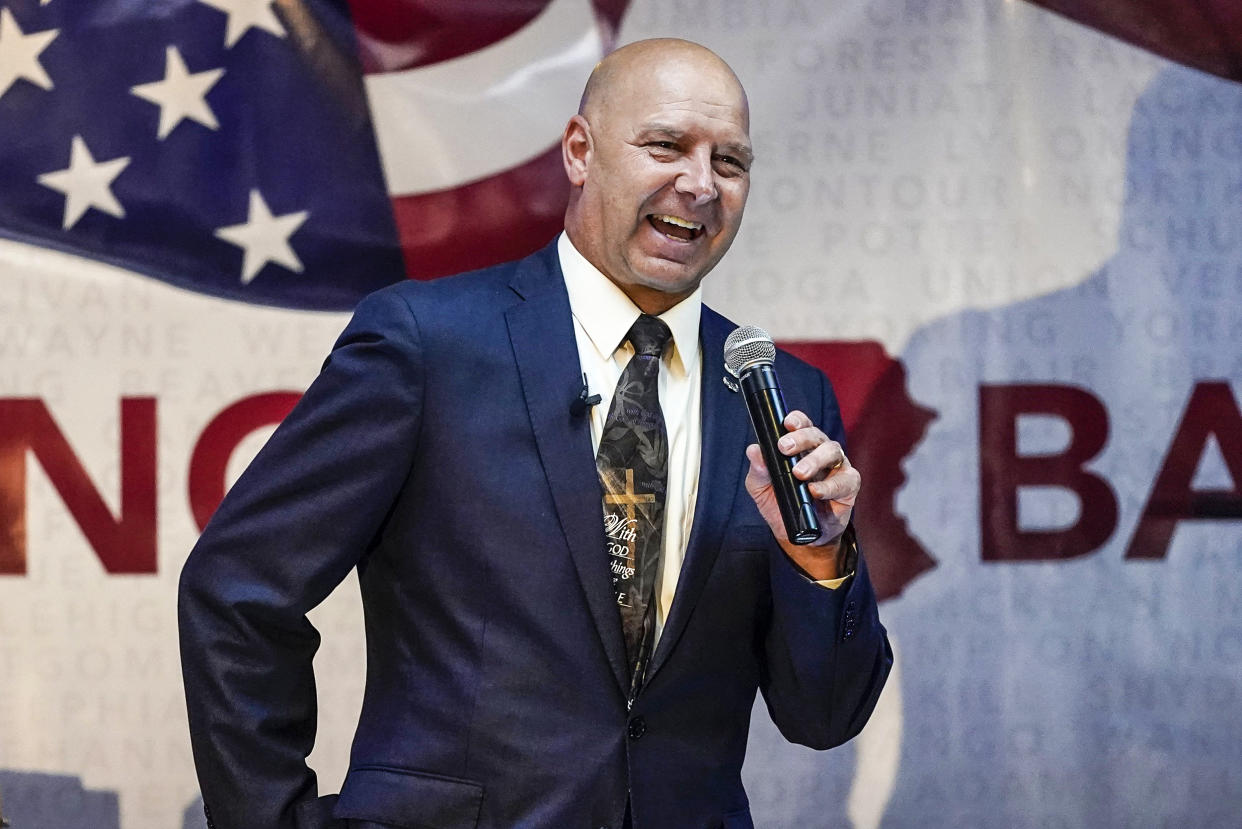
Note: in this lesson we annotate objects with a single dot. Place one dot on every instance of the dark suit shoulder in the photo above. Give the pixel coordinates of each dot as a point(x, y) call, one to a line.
point(479, 288)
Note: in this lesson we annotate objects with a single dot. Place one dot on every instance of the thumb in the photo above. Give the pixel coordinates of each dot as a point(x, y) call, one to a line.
point(758, 477)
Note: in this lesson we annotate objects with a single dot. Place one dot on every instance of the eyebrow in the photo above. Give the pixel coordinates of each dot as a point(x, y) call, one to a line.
point(742, 151)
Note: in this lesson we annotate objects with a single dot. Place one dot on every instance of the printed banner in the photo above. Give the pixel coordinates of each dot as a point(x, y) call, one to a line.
point(1009, 236)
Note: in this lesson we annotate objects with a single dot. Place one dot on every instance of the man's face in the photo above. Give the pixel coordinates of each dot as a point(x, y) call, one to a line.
point(664, 180)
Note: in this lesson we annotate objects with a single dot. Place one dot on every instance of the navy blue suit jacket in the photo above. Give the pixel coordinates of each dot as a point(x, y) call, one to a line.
point(437, 454)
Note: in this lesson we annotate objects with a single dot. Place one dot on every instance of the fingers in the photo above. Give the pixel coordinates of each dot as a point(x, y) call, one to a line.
point(841, 485)
point(822, 453)
point(825, 468)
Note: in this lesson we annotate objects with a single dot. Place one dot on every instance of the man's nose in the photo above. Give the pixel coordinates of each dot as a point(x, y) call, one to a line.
point(696, 178)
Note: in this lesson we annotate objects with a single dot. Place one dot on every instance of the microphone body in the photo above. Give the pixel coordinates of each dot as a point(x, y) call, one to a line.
point(766, 405)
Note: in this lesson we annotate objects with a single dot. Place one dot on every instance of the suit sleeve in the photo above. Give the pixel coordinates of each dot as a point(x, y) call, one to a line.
point(826, 653)
point(288, 532)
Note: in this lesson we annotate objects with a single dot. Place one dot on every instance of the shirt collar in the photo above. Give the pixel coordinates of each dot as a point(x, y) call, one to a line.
point(606, 313)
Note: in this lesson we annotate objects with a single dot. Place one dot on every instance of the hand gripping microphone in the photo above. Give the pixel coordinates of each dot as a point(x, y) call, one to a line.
point(749, 354)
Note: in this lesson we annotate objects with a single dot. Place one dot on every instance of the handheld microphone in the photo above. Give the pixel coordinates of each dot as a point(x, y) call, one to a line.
point(749, 354)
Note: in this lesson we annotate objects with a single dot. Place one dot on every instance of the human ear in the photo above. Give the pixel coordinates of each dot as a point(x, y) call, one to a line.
point(576, 149)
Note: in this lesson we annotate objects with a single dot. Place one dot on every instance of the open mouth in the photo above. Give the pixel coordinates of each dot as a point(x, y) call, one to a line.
point(676, 227)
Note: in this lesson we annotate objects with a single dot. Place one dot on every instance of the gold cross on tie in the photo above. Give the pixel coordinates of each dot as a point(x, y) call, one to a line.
point(629, 499)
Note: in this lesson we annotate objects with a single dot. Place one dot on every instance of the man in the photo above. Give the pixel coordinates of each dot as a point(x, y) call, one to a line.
point(559, 634)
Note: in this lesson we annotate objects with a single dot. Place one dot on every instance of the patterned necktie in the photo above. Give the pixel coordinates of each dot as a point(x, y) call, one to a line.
point(633, 468)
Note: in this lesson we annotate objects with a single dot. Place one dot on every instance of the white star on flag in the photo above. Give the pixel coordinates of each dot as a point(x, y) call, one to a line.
point(247, 14)
point(181, 94)
point(86, 184)
point(19, 53)
point(264, 238)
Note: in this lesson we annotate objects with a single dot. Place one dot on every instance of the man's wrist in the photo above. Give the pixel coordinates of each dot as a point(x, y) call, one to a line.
point(825, 562)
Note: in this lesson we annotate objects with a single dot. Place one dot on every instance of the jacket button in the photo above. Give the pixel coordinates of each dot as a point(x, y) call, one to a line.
point(638, 727)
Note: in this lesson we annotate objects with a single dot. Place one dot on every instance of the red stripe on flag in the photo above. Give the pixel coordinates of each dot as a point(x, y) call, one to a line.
point(484, 223)
point(402, 34)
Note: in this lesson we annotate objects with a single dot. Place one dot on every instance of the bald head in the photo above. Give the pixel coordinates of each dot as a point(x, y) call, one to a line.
point(615, 76)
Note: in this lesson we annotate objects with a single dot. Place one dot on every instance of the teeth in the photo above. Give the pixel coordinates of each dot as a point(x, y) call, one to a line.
point(674, 220)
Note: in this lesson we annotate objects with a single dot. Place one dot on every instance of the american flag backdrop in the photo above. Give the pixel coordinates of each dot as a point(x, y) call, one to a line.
point(230, 147)
point(217, 146)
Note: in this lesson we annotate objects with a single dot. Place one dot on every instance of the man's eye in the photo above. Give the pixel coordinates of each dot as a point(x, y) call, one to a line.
point(663, 145)
point(732, 163)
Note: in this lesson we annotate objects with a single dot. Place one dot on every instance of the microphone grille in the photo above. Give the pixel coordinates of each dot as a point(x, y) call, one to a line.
point(748, 345)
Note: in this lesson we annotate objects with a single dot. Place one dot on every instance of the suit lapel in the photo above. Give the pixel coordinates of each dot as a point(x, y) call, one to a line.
point(542, 334)
point(725, 433)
